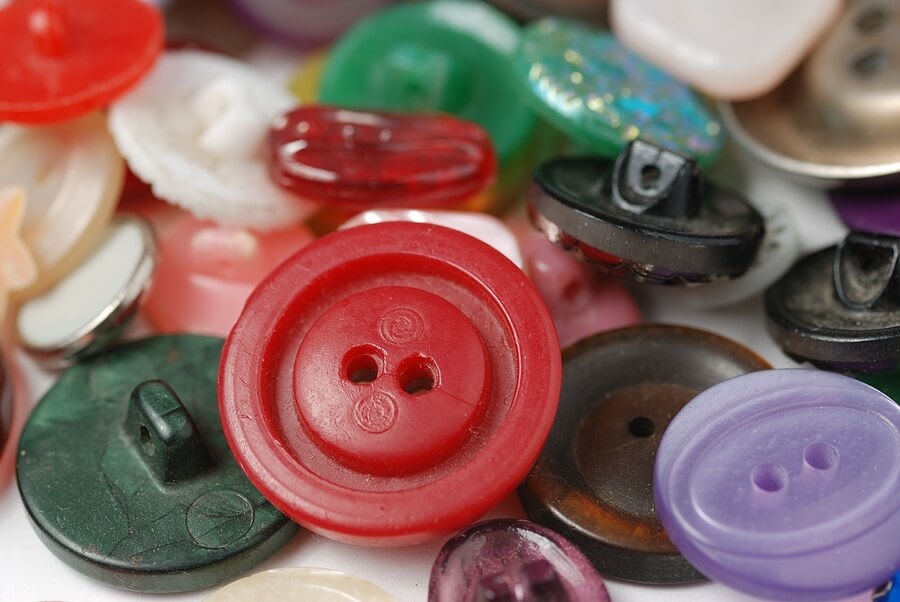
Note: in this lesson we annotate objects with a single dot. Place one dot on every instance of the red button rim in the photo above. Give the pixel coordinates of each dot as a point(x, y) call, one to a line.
point(431, 503)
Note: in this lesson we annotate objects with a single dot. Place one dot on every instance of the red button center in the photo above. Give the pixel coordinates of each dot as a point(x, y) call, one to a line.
point(389, 380)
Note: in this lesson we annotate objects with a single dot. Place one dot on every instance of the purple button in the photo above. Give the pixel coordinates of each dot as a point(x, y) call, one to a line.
point(785, 484)
point(513, 561)
point(876, 211)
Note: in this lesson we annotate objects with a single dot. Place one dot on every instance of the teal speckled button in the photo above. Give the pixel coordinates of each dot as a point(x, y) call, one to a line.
point(593, 89)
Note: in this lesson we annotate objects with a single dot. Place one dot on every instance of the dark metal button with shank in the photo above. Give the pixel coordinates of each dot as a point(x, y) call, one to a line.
point(839, 308)
point(594, 481)
point(647, 217)
point(126, 475)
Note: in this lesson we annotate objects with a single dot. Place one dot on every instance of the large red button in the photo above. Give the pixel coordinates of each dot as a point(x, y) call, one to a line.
point(62, 59)
point(389, 383)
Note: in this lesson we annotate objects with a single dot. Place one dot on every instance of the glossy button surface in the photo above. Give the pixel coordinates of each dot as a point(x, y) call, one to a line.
point(646, 217)
point(64, 59)
point(728, 49)
point(869, 210)
point(195, 130)
point(836, 118)
point(839, 308)
point(594, 480)
point(443, 55)
point(363, 159)
point(513, 560)
point(485, 228)
point(303, 22)
point(90, 307)
point(16, 262)
point(315, 585)
point(72, 176)
point(126, 475)
point(597, 92)
point(785, 484)
point(206, 272)
point(358, 391)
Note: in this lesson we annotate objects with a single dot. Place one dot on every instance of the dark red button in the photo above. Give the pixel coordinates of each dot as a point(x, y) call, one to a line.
point(363, 159)
point(390, 383)
point(63, 59)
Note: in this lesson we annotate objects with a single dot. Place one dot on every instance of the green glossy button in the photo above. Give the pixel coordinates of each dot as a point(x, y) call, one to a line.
point(446, 55)
point(126, 475)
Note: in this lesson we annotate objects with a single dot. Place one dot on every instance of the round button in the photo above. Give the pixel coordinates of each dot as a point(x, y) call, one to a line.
point(378, 380)
point(594, 480)
point(127, 477)
point(838, 308)
point(594, 90)
point(91, 306)
point(306, 23)
point(319, 585)
point(206, 272)
point(869, 210)
point(765, 479)
point(61, 59)
point(835, 118)
point(513, 560)
point(195, 130)
point(440, 55)
point(72, 176)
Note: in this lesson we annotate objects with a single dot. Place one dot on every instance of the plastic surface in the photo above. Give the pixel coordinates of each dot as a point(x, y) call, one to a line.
point(72, 176)
point(441, 55)
point(206, 272)
point(785, 484)
point(731, 50)
point(646, 217)
point(834, 120)
point(303, 23)
point(510, 561)
point(600, 94)
point(838, 308)
point(127, 478)
point(399, 428)
point(486, 228)
point(91, 306)
point(359, 160)
point(195, 129)
point(876, 211)
point(16, 262)
point(61, 59)
point(308, 584)
point(594, 480)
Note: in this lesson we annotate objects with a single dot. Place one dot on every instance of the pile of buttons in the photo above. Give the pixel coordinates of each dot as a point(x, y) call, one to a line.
point(442, 294)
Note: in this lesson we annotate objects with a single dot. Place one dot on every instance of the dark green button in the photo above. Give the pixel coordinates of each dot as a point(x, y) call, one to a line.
point(446, 55)
point(127, 477)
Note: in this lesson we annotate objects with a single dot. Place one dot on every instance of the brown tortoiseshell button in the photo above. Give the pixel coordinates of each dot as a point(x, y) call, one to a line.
point(594, 480)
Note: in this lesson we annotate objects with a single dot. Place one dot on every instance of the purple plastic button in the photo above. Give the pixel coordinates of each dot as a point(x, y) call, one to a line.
point(513, 561)
point(785, 484)
point(876, 211)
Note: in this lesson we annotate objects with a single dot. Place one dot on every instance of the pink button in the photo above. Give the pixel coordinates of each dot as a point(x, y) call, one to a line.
point(206, 273)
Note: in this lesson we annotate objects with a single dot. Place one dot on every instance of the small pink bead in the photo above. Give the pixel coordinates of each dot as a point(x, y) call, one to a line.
point(206, 273)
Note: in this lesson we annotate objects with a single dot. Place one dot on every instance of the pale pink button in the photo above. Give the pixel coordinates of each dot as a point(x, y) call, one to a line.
point(729, 49)
point(206, 272)
point(581, 302)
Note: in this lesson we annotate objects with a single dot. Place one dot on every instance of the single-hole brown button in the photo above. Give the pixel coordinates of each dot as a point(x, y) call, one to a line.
point(594, 481)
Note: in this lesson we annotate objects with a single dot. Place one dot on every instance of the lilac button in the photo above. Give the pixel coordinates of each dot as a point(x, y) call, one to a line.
point(513, 561)
point(876, 211)
point(785, 484)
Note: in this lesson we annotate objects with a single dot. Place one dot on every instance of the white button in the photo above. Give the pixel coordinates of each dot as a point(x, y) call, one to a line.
point(308, 585)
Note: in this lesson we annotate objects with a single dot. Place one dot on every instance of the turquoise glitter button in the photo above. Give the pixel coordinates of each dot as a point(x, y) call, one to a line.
point(597, 92)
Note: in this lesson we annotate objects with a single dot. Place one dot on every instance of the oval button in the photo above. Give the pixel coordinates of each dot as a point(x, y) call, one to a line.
point(359, 160)
point(765, 479)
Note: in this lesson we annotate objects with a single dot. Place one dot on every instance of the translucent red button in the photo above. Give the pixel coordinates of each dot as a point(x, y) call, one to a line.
point(364, 159)
point(63, 59)
point(390, 383)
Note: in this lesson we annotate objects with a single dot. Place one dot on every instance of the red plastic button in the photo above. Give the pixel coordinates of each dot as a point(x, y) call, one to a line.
point(360, 159)
point(63, 59)
point(390, 383)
